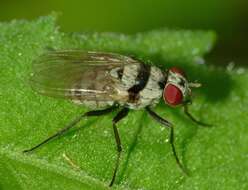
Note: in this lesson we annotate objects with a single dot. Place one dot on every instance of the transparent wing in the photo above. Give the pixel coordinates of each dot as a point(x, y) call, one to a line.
point(78, 74)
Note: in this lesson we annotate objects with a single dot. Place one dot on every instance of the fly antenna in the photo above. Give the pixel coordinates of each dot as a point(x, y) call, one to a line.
point(195, 84)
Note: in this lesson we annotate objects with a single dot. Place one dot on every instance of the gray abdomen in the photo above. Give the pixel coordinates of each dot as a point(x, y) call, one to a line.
point(133, 85)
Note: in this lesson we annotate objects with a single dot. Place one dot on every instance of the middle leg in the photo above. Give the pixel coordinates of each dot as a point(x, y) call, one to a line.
point(167, 124)
point(123, 113)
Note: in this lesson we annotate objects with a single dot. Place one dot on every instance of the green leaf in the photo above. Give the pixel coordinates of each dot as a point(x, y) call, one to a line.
point(84, 158)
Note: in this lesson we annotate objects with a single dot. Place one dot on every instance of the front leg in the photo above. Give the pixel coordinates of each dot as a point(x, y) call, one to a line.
point(186, 111)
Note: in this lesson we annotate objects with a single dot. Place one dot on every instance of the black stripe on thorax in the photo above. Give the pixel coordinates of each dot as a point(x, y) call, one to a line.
point(140, 82)
point(120, 73)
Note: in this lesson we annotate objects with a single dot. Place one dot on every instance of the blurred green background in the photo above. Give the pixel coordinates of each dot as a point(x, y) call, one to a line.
point(229, 18)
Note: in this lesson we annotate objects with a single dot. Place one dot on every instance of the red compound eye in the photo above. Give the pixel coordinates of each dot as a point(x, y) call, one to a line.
point(177, 70)
point(172, 95)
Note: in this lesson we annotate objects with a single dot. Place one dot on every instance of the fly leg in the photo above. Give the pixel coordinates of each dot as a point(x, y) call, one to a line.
point(123, 113)
point(72, 124)
point(167, 124)
point(186, 111)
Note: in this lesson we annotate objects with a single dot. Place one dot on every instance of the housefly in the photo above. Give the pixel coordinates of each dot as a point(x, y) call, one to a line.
point(106, 82)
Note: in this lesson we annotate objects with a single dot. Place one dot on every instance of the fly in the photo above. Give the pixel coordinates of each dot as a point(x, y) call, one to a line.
point(107, 82)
